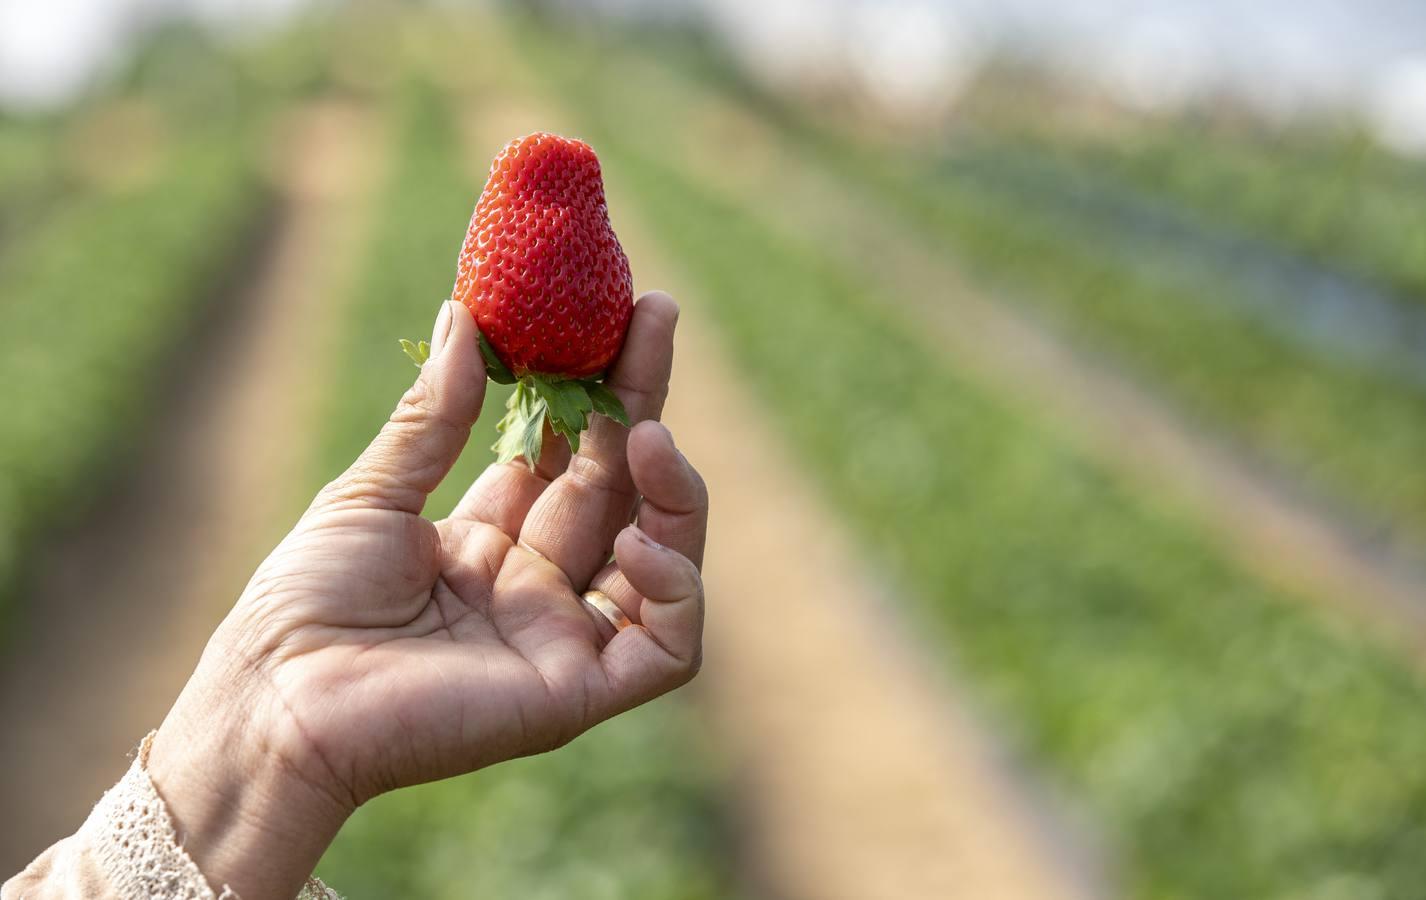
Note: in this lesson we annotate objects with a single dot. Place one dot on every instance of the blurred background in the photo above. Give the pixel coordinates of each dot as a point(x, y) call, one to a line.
point(1058, 371)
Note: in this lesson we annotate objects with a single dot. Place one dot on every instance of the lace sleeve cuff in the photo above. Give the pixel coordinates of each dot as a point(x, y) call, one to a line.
point(130, 842)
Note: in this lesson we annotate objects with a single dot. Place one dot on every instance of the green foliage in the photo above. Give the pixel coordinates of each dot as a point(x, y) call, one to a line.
point(627, 811)
point(25, 148)
point(120, 220)
point(565, 403)
point(31, 176)
point(93, 302)
point(523, 428)
point(623, 813)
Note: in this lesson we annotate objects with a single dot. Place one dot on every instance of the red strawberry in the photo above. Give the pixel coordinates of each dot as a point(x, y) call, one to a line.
point(541, 268)
point(550, 288)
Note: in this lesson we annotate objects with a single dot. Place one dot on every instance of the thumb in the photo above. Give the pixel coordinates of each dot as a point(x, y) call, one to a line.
point(425, 435)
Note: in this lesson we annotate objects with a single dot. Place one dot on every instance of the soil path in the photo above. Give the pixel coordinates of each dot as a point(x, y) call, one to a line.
point(1265, 521)
point(860, 774)
point(123, 604)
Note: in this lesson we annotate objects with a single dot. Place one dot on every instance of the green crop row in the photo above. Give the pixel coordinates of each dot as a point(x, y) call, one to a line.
point(1230, 741)
point(1336, 198)
point(23, 150)
point(626, 811)
point(94, 300)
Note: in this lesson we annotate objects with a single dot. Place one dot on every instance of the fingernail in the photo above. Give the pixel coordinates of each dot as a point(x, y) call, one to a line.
point(688, 572)
point(645, 539)
point(442, 329)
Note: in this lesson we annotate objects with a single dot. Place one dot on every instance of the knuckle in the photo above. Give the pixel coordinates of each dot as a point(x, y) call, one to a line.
point(416, 403)
point(599, 475)
point(334, 494)
point(421, 424)
point(367, 484)
point(590, 470)
point(358, 484)
point(641, 397)
point(421, 406)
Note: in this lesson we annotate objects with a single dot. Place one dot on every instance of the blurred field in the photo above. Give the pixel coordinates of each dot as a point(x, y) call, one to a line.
point(1190, 706)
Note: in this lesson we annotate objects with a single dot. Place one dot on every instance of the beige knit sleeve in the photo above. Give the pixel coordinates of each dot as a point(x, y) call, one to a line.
point(126, 850)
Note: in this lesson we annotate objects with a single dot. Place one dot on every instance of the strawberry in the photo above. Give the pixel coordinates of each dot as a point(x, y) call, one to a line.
point(541, 268)
point(549, 285)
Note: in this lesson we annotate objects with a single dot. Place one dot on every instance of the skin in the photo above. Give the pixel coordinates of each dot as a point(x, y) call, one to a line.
point(375, 649)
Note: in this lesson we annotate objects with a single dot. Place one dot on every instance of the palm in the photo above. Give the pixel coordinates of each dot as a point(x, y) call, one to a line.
point(452, 661)
point(409, 650)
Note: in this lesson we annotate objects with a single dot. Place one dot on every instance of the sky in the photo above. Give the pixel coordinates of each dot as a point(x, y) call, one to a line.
point(49, 49)
point(1282, 56)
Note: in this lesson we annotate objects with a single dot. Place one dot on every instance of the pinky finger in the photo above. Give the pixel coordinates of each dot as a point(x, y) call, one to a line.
point(665, 649)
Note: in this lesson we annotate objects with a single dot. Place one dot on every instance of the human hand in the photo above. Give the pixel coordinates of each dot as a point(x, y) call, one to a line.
point(375, 649)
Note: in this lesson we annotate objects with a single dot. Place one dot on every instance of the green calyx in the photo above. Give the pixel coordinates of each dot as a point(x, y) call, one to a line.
point(566, 404)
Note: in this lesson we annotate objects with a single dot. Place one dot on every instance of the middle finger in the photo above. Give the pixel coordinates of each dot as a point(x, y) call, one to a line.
point(574, 522)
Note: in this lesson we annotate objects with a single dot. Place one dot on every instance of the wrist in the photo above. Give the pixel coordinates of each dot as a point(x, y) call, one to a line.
point(244, 813)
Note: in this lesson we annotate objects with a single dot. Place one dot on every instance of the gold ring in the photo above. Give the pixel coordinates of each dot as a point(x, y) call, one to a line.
point(607, 608)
